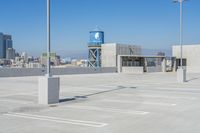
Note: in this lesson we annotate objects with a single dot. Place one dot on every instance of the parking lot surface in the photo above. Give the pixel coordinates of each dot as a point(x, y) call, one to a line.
point(103, 103)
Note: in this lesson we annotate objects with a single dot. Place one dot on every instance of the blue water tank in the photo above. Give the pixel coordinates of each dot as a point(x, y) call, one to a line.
point(96, 37)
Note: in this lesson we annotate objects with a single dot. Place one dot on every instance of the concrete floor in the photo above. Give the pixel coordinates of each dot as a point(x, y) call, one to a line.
point(103, 103)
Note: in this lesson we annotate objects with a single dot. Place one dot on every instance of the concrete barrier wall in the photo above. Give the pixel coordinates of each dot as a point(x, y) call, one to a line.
point(139, 70)
point(135, 70)
point(154, 69)
point(21, 72)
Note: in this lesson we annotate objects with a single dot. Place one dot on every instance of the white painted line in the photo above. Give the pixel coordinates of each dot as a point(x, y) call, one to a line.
point(132, 102)
point(57, 120)
point(16, 94)
point(15, 101)
point(169, 90)
point(171, 97)
point(156, 96)
point(113, 110)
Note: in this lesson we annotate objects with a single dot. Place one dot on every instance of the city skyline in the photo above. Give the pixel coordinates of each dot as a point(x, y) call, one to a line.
point(153, 25)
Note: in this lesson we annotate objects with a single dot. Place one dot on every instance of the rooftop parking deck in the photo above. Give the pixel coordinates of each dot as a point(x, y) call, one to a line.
point(103, 103)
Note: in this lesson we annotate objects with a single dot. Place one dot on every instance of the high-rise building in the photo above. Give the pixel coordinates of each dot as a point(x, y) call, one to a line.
point(1, 46)
point(8, 44)
point(5, 43)
point(10, 53)
point(24, 56)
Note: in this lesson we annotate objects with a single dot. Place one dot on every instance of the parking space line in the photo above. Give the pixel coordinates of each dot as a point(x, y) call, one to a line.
point(156, 96)
point(132, 102)
point(15, 94)
point(15, 101)
point(168, 90)
point(58, 120)
point(113, 110)
point(171, 97)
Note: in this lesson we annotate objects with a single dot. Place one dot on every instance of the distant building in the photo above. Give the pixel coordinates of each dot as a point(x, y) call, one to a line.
point(8, 41)
point(5, 43)
point(1, 46)
point(33, 65)
point(66, 60)
point(10, 53)
point(83, 63)
point(30, 59)
point(191, 55)
point(18, 62)
point(159, 60)
point(110, 52)
point(74, 62)
point(55, 59)
point(79, 63)
point(5, 62)
point(24, 56)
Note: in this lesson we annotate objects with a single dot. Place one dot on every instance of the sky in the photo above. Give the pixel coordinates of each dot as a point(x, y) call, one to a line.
point(153, 24)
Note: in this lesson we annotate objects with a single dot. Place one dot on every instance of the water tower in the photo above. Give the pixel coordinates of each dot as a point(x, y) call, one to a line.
point(94, 47)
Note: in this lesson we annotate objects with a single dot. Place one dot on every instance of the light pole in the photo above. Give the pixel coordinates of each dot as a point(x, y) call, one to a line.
point(181, 72)
point(48, 74)
point(49, 86)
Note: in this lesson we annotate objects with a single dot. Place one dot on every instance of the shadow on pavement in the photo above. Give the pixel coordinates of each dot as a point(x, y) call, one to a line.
point(93, 94)
point(193, 79)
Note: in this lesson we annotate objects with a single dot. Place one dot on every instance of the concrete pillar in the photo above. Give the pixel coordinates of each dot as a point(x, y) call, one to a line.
point(181, 75)
point(174, 64)
point(48, 92)
point(119, 64)
point(164, 62)
point(145, 65)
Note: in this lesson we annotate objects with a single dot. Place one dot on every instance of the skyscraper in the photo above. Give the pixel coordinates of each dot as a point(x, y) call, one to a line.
point(5, 43)
point(10, 53)
point(1, 46)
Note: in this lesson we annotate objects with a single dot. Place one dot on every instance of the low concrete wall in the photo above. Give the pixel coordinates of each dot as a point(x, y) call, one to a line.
point(136, 70)
point(20, 72)
point(154, 69)
point(193, 69)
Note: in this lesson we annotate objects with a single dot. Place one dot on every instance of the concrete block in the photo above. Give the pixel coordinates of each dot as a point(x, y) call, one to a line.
point(181, 75)
point(49, 88)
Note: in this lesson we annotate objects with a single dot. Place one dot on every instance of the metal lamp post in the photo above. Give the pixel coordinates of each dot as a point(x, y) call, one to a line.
point(181, 72)
point(48, 74)
point(49, 86)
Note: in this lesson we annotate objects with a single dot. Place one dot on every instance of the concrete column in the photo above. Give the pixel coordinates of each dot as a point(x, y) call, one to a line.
point(145, 65)
point(48, 90)
point(174, 63)
point(181, 75)
point(164, 65)
point(119, 64)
